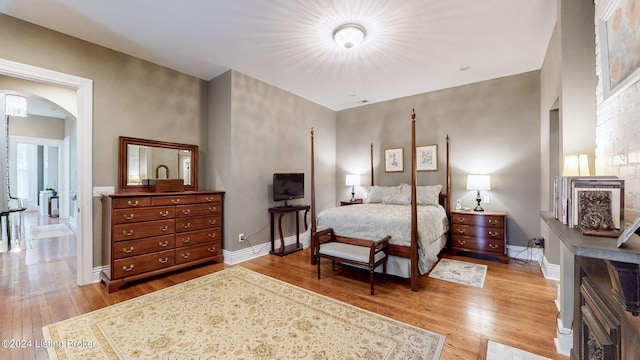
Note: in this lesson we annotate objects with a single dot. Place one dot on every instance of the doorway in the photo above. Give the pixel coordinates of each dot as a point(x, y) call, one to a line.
point(84, 134)
point(36, 165)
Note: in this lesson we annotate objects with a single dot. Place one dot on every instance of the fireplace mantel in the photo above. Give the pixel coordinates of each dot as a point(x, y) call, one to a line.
point(606, 293)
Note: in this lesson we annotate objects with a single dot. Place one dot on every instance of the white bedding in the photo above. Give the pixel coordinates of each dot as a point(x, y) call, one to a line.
point(375, 221)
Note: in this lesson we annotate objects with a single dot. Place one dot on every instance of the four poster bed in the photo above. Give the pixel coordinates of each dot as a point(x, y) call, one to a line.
point(416, 218)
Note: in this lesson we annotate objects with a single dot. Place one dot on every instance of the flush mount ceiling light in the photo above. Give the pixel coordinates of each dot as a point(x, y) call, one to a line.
point(349, 35)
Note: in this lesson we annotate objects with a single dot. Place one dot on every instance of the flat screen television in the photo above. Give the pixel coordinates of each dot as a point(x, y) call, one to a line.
point(288, 186)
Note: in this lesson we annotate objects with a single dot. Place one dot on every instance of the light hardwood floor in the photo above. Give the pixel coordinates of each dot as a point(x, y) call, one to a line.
point(515, 307)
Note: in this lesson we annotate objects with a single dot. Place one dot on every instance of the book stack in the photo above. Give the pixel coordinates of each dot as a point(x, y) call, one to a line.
point(595, 204)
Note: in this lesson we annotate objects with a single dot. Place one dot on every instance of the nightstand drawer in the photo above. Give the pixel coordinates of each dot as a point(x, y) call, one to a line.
point(480, 232)
point(474, 244)
point(475, 220)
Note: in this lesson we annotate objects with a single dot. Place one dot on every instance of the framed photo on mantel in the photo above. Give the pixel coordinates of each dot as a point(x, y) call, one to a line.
point(597, 206)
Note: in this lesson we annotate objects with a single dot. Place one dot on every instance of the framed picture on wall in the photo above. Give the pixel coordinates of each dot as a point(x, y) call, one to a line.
point(618, 29)
point(427, 158)
point(394, 160)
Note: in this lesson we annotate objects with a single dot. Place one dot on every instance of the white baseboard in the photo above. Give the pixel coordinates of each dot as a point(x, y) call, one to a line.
point(524, 253)
point(252, 252)
point(550, 271)
point(95, 275)
point(563, 340)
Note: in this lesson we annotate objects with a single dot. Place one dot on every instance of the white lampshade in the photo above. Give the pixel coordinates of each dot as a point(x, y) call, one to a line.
point(478, 182)
point(349, 35)
point(352, 180)
point(576, 165)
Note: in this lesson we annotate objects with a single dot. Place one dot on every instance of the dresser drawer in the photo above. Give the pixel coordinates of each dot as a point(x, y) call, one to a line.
point(198, 237)
point(174, 200)
point(143, 229)
point(198, 210)
point(475, 220)
point(132, 202)
point(480, 232)
point(133, 215)
point(193, 253)
point(472, 244)
point(142, 263)
point(210, 198)
point(198, 223)
point(129, 248)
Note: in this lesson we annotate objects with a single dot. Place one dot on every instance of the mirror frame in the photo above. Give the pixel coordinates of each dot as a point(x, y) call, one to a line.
point(123, 156)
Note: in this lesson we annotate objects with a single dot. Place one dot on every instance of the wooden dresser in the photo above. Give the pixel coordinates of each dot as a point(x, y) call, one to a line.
point(147, 234)
point(483, 232)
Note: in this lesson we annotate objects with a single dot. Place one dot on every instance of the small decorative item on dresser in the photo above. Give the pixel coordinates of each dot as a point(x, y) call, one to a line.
point(480, 232)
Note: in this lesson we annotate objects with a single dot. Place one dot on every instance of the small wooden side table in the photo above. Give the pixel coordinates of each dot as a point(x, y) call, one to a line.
point(281, 211)
point(348, 202)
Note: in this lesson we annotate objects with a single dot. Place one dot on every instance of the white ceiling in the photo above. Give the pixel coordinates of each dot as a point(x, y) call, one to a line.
point(411, 47)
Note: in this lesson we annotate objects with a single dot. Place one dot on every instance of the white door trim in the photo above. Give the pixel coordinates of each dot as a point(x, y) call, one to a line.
point(84, 91)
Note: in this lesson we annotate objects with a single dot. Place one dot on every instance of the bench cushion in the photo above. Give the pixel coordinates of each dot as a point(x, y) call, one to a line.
point(349, 252)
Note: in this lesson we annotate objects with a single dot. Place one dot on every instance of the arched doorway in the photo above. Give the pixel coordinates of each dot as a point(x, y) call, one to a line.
point(84, 92)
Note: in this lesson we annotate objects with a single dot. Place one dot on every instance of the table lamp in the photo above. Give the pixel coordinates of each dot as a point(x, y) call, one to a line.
point(478, 182)
point(353, 181)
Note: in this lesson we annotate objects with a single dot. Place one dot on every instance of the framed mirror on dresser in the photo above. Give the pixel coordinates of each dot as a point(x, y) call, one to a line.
point(158, 221)
point(142, 160)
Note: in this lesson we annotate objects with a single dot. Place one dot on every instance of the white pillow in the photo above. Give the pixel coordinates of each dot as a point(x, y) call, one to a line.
point(428, 195)
point(376, 193)
point(394, 195)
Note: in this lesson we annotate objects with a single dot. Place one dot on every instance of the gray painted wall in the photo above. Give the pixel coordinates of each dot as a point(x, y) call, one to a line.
point(258, 130)
point(132, 97)
point(494, 129)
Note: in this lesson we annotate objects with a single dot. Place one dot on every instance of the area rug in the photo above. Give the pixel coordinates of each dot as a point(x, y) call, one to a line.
point(460, 272)
point(237, 314)
point(497, 351)
point(49, 231)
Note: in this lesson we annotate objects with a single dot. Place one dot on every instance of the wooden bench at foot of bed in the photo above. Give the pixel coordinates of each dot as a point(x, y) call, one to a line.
point(370, 254)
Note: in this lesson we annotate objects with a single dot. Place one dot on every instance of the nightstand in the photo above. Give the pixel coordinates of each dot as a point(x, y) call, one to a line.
point(348, 202)
point(483, 232)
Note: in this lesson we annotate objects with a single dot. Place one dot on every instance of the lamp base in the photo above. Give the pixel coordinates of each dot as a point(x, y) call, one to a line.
point(478, 200)
point(353, 194)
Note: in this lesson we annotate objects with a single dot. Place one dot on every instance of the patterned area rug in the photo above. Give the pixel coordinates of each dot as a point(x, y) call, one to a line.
point(49, 231)
point(237, 314)
point(460, 272)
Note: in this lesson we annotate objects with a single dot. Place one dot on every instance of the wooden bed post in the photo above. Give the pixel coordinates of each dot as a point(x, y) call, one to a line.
point(313, 202)
point(448, 184)
point(371, 159)
point(414, 207)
